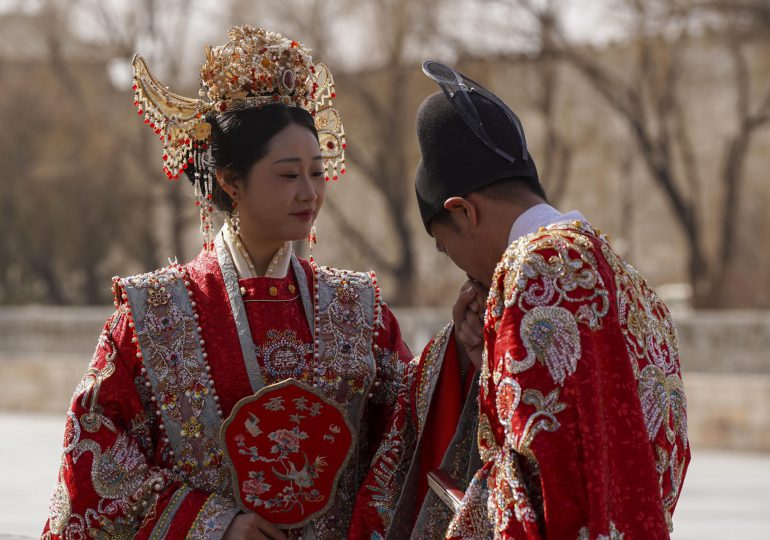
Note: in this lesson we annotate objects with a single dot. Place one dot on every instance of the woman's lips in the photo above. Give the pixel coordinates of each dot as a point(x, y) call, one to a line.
point(305, 216)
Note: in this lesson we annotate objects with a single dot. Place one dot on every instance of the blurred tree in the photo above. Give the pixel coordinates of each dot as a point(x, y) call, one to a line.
point(396, 30)
point(647, 95)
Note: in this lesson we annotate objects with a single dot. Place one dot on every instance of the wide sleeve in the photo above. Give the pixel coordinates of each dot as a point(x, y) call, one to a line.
point(561, 429)
point(114, 479)
point(377, 497)
point(392, 356)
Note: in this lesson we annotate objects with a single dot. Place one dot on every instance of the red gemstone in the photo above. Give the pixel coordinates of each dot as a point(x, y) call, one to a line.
point(165, 157)
point(344, 146)
point(334, 94)
point(330, 145)
point(342, 171)
point(140, 112)
point(134, 87)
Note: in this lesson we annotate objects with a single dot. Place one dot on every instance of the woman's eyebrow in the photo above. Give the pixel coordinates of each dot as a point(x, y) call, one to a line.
point(295, 159)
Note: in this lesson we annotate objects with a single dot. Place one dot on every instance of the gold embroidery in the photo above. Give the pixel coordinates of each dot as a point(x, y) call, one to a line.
point(192, 428)
point(59, 508)
point(346, 337)
point(488, 447)
point(544, 418)
point(551, 336)
point(471, 520)
point(91, 384)
point(157, 295)
point(431, 363)
point(569, 276)
point(117, 472)
point(653, 350)
point(284, 356)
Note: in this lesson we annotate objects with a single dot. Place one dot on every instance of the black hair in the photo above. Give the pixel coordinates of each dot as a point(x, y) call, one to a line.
point(507, 189)
point(240, 138)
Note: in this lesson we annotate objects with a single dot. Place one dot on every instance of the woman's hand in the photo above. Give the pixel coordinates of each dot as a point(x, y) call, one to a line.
point(252, 527)
point(467, 314)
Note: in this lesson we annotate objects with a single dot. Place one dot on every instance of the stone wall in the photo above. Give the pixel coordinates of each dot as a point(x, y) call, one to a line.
point(44, 352)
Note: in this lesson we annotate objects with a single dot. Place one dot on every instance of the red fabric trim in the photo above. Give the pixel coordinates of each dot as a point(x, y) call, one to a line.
point(443, 415)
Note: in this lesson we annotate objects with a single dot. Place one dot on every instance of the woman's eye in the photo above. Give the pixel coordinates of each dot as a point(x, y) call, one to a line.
point(292, 175)
point(318, 174)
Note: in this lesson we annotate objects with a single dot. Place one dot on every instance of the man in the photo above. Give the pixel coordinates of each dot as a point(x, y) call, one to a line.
point(581, 415)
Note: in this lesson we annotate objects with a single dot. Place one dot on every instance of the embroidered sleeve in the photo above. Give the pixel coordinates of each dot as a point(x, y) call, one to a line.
point(561, 423)
point(112, 480)
point(378, 495)
point(392, 356)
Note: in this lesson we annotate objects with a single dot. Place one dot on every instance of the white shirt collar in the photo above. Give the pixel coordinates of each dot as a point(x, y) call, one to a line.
point(540, 215)
point(280, 271)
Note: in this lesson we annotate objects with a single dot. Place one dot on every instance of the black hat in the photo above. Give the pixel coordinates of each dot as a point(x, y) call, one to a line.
point(458, 157)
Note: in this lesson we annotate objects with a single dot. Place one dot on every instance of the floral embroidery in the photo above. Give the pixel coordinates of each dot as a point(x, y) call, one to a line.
point(284, 355)
point(543, 419)
point(213, 517)
point(254, 486)
point(170, 344)
point(346, 335)
point(389, 368)
point(389, 464)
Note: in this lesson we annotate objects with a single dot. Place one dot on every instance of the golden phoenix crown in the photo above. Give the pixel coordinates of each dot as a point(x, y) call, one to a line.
point(255, 68)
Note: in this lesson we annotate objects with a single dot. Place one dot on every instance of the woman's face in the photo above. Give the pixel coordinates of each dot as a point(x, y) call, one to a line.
point(284, 191)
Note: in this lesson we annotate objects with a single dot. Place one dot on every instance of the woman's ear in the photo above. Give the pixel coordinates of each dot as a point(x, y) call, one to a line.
point(463, 211)
point(227, 181)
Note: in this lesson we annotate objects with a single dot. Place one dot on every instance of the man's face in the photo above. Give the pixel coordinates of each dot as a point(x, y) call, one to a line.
point(461, 245)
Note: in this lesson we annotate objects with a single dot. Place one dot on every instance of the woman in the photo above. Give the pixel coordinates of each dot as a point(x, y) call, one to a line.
point(143, 457)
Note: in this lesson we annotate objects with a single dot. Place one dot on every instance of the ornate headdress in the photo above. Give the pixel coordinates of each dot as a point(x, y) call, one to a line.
point(255, 68)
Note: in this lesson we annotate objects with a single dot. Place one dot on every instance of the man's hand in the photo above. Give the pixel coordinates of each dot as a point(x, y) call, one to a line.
point(252, 527)
point(468, 313)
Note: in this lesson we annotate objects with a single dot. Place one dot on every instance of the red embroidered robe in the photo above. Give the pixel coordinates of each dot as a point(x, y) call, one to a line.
point(582, 423)
point(582, 428)
point(119, 475)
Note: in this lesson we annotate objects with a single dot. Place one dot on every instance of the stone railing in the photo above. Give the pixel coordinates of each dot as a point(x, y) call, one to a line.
point(725, 356)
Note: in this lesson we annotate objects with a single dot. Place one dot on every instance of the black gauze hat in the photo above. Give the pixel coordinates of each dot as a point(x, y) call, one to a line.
point(455, 161)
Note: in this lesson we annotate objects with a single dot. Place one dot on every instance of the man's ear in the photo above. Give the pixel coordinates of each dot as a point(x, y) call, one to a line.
point(462, 211)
